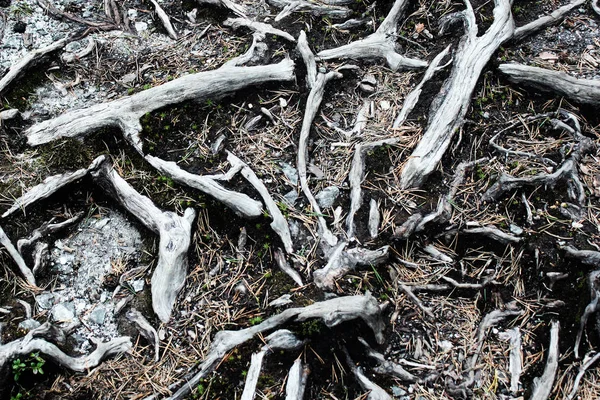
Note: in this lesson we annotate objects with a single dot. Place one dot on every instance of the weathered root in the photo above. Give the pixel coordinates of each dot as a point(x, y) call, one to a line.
point(296, 382)
point(125, 113)
point(451, 104)
point(164, 18)
point(585, 91)
point(332, 312)
point(285, 267)
point(412, 297)
point(46, 229)
point(587, 362)
point(317, 83)
point(375, 391)
point(590, 309)
point(28, 61)
point(588, 257)
point(495, 234)
point(258, 27)
point(321, 9)
point(146, 329)
point(355, 178)
point(231, 5)
point(37, 341)
point(542, 386)
point(547, 20)
point(380, 44)
point(412, 98)
point(596, 7)
point(240, 203)
point(385, 367)
point(18, 259)
point(374, 218)
point(515, 358)
point(174, 231)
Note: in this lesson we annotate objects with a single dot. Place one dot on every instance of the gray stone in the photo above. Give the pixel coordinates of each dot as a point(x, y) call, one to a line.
point(290, 197)
point(290, 173)
point(45, 300)
point(517, 230)
point(29, 324)
point(63, 312)
point(138, 285)
point(327, 196)
point(9, 114)
point(98, 315)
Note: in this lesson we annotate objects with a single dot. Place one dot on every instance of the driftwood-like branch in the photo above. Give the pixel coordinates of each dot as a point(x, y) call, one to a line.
point(259, 27)
point(381, 44)
point(286, 268)
point(146, 330)
point(412, 98)
point(542, 386)
point(412, 297)
point(587, 362)
point(375, 391)
point(547, 20)
point(519, 153)
point(46, 229)
point(374, 218)
point(494, 233)
point(16, 256)
point(596, 7)
point(34, 342)
point(240, 203)
point(174, 231)
point(355, 178)
point(279, 224)
point(317, 84)
point(590, 309)
point(450, 106)
point(232, 6)
point(255, 53)
point(28, 61)
point(585, 91)
point(315, 8)
point(588, 257)
point(164, 18)
point(332, 312)
point(50, 186)
point(125, 113)
point(296, 381)
point(515, 358)
point(386, 367)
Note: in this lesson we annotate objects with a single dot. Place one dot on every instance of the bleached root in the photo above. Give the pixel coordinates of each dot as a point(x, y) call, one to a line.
point(125, 113)
point(286, 268)
point(375, 391)
point(258, 27)
point(316, 8)
point(174, 232)
point(17, 258)
point(451, 104)
point(585, 91)
point(146, 330)
point(547, 20)
point(331, 312)
point(542, 386)
point(44, 230)
point(164, 18)
point(296, 381)
point(386, 367)
point(28, 61)
point(379, 45)
point(513, 336)
point(587, 362)
point(231, 5)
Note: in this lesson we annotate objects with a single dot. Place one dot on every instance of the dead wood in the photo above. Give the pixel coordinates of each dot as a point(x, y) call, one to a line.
point(146, 330)
point(332, 312)
point(259, 27)
point(18, 259)
point(513, 336)
point(590, 309)
point(542, 386)
point(374, 218)
point(50, 186)
point(40, 257)
point(46, 229)
point(296, 381)
point(386, 367)
point(585, 91)
point(450, 106)
point(494, 233)
point(174, 231)
point(164, 18)
point(237, 9)
point(285, 267)
point(588, 257)
point(125, 113)
point(596, 7)
point(316, 8)
point(240, 203)
point(554, 18)
point(381, 44)
point(587, 362)
point(375, 391)
point(35, 341)
point(29, 61)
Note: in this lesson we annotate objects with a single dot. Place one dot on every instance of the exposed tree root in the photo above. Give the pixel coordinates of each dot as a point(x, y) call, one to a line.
point(542, 386)
point(296, 381)
point(146, 329)
point(375, 391)
point(451, 104)
point(381, 44)
point(315, 8)
point(231, 5)
point(46, 229)
point(386, 367)
point(164, 18)
point(584, 91)
point(18, 259)
point(285, 267)
point(174, 231)
point(258, 27)
point(515, 358)
point(553, 19)
point(587, 362)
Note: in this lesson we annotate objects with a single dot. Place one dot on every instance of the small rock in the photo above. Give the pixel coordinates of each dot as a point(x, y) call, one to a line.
point(398, 391)
point(368, 84)
point(290, 197)
point(102, 223)
point(63, 312)
point(327, 196)
point(162, 334)
point(141, 27)
point(281, 301)
point(29, 324)
point(132, 13)
point(138, 285)
point(290, 173)
point(445, 346)
point(517, 230)
point(9, 114)
point(384, 105)
point(45, 300)
point(98, 315)
point(283, 102)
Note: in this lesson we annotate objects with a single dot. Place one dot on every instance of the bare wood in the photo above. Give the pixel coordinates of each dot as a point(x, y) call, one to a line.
point(375, 391)
point(16, 256)
point(46, 229)
point(374, 218)
point(231, 5)
point(50, 186)
point(285, 267)
point(242, 204)
point(596, 7)
point(28, 61)
point(554, 18)
point(146, 329)
point(164, 18)
point(125, 113)
point(584, 91)
point(279, 224)
point(174, 232)
point(515, 357)
point(494, 233)
point(588, 257)
point(386, 367)
point(315, 8)
point(256, 26)
point(542, 386)
point(452, 102)
point(587, 362)
point(296, 381)
point(380, 44)
point(332, 312)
